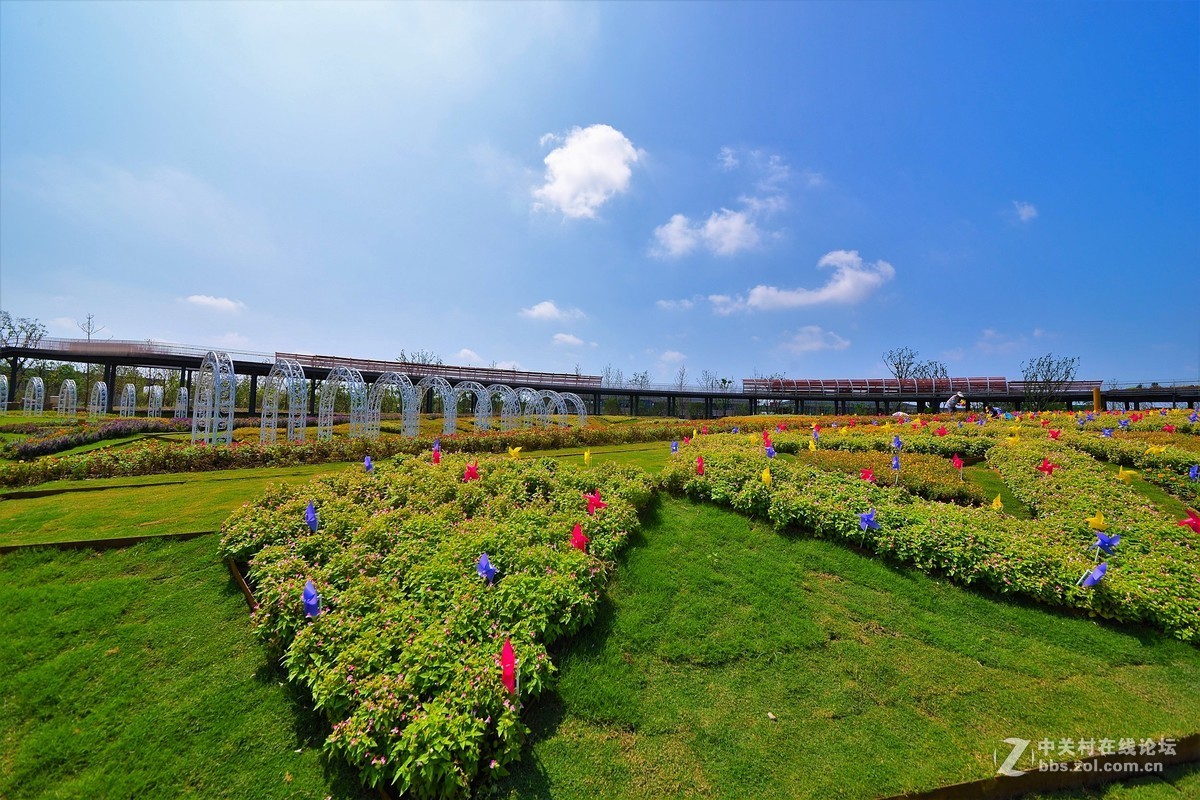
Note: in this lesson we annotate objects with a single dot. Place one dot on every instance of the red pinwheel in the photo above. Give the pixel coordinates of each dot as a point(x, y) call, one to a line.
point(867, 474)
point(1045, 422)
point(687, 440)
point(578, 540)
point(699, 465)
point(766, 438)
point(1047, 468)
point(508, 667)
point(1054, 434)
point(471, 473)
point(1168, 428)
point(781, 427)
point(437, 456)
point(957, 461)
point(704, 429)
point(941, 431)
point(594, 503)
point(1192, 521)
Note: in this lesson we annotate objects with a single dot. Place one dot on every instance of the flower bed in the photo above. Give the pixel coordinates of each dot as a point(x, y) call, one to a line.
point(404, 656)
point(78, 434)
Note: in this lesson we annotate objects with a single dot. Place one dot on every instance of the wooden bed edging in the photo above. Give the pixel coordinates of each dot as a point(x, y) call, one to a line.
point(1073, 775)
point(241, 582)
point(106, 544)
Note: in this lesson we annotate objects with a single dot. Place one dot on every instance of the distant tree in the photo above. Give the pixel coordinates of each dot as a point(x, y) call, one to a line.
point(640, 379)
point(1046, 379)
point(708, 379)
point(902, 362)
point(420, 357)
point(18, 332)
point(931, 369)
point(612, 376)
point(90, 329)
point(681, 377)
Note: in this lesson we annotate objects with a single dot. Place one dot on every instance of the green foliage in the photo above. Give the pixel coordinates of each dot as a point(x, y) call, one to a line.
point(403, 658)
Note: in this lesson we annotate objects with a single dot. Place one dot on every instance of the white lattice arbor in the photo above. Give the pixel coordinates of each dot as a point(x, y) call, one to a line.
point(510, 405)
point(68, 399)
point(128, 404)
point(216, 385)
point(352, 381)
point(154, 401)
point(3, 394)
point(580, 409)
point(35, 397)
point(285, 381)
point(483, 402)
point(98, 400)
point(400, 389)
point(533, 409)
point(445, 393)
point(554, 408)
point(181, 403)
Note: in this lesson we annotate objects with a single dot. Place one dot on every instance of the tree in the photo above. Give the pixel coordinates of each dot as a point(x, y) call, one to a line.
point(1046, 378)
point(640, 379)
point(931, 369)
point(89, 328)
point(18, 332)
point(420, 357)
point(901, 361)
point(612, 376)
point(681, 377)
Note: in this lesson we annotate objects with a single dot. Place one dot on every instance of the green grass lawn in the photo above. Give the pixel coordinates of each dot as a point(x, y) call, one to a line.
point(881, 680)
point(142, 506)
point(132, 673)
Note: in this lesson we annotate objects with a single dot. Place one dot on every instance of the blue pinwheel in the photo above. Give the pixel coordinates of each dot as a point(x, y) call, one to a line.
point(1194, 472)
point(1093, 577)
point(735, 429)
point(367, 465)
point(1124, 423)
point(674, 447)
point(1105, 544)
point(896, 443)
point(896, 462)
point(770, 451)
point(437, 445)
point(485, 569)
point(1193, 417)
point(1079, 421)
point(867, 520)
point(1090, 416)
point(312, 600)
point(1106, 432)
point(310, 516)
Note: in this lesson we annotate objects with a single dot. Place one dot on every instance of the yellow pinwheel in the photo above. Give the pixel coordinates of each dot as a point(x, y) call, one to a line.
point(997, 504)
point(1126, 475)
point(812, 445)
point(514, 452)
point(1097, 522)
point(1153, 450)
point(766, 476)
point(587, 458)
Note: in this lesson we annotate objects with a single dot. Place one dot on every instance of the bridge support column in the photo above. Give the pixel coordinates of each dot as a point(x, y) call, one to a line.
point(633, 405)
point(253, 392)
point(753, 405)
point(708, 408)
point(110, 380)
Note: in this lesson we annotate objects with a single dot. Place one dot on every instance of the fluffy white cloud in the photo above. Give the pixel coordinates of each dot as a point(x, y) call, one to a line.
point(215, 303)
point(727, 158)
point(508, 365)
point(674, 305)
point(567, 340)
point(467, 357)
point(671, 357)
point(812, 338)
point(724, 233)
point(1025, 211)
point(591, 166)
point(548, 311)
point(852, 282)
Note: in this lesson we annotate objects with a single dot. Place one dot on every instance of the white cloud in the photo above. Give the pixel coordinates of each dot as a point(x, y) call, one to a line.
point(548, 311)
point(724, 233)
point(567, 340)
point(727, 158)
point(812, 338)
point(467, 357)
point(232, 340)
point(672, 357)
point(814, 180)
point(674, 305)
point(508, 365)
point(852, 282)
point(215, 303)
point(591, 166)
point(1025, 211)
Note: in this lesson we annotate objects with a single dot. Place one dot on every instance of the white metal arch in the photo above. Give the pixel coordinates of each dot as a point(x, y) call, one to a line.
point(35, 397)
point(356, 387)
point(98, 399)
point(483, 402)
point(445, 392)
point(128, 404)
point(577, 402)
point(554, 407)
point(216, 385)
point(154, 402)
point(396, 385)
point(68, 399)
point(510, 405)
point(286, 379)
point(533, 407)
point(181, 403)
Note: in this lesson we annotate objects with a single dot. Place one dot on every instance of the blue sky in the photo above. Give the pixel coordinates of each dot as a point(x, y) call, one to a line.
point(738, 188)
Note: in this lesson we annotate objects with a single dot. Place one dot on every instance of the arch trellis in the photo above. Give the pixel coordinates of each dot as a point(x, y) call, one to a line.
point(285, 379)
point(534, 409)
point(128, 404)
point(577, 402)
point(154, 401)
point(352, 380)
point(510, 405)
point(3, 394)
point(394, 384)
point(445, 392)
point(216, 385)
point(98, 399)
point(483, 402)
point(35, 397)
point(68, 399)
point(181, 403)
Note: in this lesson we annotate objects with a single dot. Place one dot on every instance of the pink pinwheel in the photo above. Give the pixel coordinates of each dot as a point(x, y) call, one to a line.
point(508, 667)
point(699, 465)
point(867, 474)
point(704, 429)
point(1054, 434)
point(594, 503)
point(578, 540)
point(687, 440)
point(471, 473)
point(1047, 468)
point(1192, 521)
